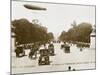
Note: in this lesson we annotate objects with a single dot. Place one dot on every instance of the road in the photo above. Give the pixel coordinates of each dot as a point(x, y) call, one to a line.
point(76, 59)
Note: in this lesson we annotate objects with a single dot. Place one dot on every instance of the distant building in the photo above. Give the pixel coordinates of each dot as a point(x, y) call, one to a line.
point(13, 39)
point(93, 38)
point(13, 43)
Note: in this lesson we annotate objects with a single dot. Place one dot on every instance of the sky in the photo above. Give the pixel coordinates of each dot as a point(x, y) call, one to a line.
point(57, 17)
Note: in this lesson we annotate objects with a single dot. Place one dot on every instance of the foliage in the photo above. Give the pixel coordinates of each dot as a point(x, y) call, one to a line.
point(79, 33)
point(27, 32)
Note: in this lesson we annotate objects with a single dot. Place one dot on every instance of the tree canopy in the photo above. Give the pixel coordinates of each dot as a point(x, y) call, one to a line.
point(78, 33)
point(27, 32)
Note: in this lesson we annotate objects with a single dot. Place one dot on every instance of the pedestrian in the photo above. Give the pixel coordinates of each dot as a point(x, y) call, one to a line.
point(51, 49)
point(45, 47)
point(74, 69)
point(31, 53)
point(17, 52)
point(69, 68)
point(81, 49)
point(66, 48)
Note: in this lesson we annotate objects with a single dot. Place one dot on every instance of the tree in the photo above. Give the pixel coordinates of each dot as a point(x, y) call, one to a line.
point(62, 37)
point(79, 33)
point(27, 32)
point(50, 36)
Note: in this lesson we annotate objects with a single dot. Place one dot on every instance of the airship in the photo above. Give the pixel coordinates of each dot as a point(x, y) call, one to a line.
point(33, 7)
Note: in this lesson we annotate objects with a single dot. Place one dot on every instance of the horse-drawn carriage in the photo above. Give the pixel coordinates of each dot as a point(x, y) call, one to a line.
point(44, 57)
point(19, 51)
point(65, 47)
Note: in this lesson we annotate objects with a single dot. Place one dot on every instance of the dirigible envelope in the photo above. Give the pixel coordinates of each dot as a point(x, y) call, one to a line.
point(34, 7)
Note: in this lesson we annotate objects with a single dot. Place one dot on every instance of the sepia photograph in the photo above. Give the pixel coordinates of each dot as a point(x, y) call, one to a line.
point(52, 37)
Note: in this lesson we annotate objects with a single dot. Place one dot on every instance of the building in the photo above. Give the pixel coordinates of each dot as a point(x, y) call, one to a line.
point(13, 43)
point(93, 38)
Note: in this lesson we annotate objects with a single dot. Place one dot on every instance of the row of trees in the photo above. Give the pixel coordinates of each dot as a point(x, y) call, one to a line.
point(27, 32)
point(78, 33)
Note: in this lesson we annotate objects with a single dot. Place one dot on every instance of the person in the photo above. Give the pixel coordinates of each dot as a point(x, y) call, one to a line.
point(36, 48)
point(81, 49)
point(69, 68)
point(62, 46)
point(51, 48)
point(19, 50)
point(74, 70)
point(31, 53)
point(33, 50)
point(45, 46)
point(66, 47)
